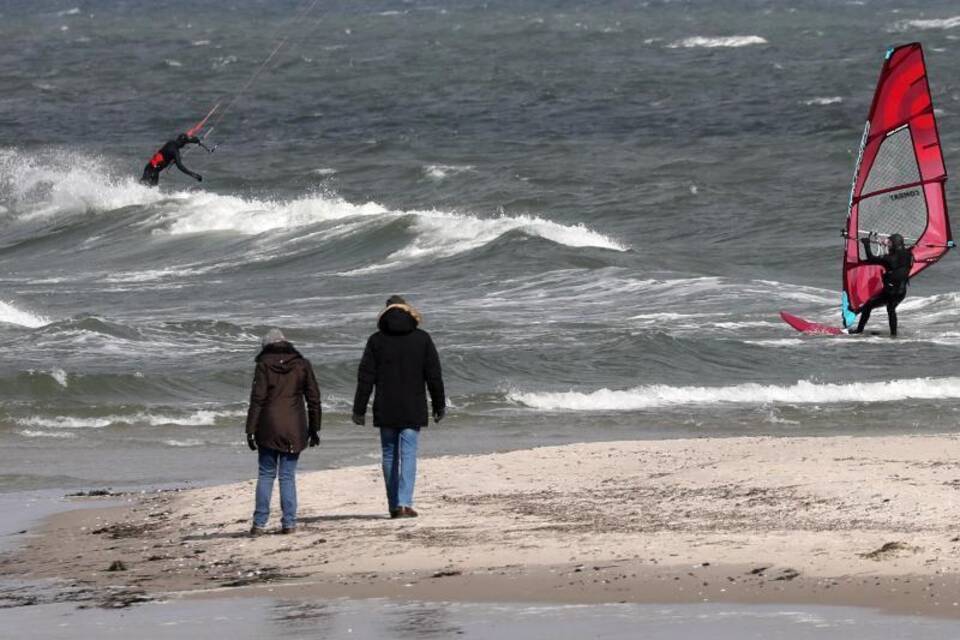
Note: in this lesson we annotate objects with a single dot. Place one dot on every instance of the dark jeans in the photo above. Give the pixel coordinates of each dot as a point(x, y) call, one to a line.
point(272, 464)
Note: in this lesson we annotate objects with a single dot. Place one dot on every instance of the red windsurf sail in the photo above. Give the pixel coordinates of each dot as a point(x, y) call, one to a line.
point(899, 180)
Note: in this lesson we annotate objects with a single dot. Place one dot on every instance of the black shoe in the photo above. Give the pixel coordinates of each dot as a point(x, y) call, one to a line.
point(394, 513)
point(286, 530)
point(407, 512)
point(257, 531)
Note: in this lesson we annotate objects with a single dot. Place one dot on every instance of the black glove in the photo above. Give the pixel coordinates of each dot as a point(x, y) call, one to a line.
point(252, 441)
point(314, 438)
point(358, 419)
point(439, 413)
point(198, 177)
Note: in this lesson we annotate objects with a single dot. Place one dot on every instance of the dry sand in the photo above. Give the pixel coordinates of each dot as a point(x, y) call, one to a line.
point(838, 520)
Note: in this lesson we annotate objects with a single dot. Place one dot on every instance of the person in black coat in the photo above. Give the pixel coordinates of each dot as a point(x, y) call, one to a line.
point(401, 362)
point(896, 275)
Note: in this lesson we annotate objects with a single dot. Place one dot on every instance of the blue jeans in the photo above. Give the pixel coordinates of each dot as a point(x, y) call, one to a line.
point(399, 464)
point(273, 463)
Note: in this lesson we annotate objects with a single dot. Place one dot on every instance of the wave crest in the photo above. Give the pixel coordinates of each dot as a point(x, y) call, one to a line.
point(803, 392)
point(10, 314)
point(703, 42)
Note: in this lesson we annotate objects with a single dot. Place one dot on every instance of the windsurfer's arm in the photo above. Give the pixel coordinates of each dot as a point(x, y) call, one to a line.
point(179, 163)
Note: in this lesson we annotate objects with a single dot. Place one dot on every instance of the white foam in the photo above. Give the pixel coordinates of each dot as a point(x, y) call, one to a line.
point(698, 42)
point(325, 171)
point(28, 433)
point(60, 376)
point(64, 183)
point(223, 61)
point(200, 43)
point(69, 12)
point(803, 392)
point(441, 171)
point(201, 418)
point(173, 63)
point(934, 23)
point(184, 443)
point(204, 212)
point(65, 422)
point(440, 235)
point(822, 102)
point(12, 315)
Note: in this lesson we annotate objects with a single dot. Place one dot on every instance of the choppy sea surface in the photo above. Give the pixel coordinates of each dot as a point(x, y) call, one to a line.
point(599, 208)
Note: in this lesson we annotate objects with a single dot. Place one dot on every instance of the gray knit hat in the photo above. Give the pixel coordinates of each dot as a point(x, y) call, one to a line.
point(272, 337)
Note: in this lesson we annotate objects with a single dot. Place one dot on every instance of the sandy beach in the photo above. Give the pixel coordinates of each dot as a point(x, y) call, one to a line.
point(865, 521)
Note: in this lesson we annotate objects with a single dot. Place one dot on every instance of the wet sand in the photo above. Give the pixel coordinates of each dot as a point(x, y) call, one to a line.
point(868, 521)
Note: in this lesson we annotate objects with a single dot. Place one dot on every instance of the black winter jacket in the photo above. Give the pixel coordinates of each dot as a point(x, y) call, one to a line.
point(399, 360)
point(282, 381)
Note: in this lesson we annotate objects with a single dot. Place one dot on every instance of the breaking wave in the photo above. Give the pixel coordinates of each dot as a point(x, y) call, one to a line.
point(57, 182)
point(10, 314)
point(50, 188)
point(803, 392)
point(202, 418)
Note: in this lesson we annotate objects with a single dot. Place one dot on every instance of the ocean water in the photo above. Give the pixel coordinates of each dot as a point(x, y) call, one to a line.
point(599, 208)
point(253, 618)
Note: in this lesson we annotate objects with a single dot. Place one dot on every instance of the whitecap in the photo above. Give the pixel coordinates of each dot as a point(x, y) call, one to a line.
point(822, 102)
point(441, 171)
point(802, 392)
point(29, 433)
point(60, 376)
point(184, 443)
point(925, 24)
point(10, 314)
point(704, 42)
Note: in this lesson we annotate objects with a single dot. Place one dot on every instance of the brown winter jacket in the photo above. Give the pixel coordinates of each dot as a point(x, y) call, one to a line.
point(282, 381)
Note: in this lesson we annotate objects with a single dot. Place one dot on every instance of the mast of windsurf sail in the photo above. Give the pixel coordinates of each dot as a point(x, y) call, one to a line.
point(898, 181)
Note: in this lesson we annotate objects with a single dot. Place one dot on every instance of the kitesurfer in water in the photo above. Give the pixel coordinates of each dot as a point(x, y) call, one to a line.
point(896, 274)
point(170, 152)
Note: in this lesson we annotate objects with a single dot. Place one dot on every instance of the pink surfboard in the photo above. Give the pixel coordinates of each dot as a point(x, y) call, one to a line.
point(810, 328)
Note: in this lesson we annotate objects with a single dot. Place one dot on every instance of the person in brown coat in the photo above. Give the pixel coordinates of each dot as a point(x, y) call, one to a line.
point(278, 426)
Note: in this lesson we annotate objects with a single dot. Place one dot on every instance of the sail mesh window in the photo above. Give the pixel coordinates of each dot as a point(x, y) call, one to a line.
point(903, 212)
point(895, 164)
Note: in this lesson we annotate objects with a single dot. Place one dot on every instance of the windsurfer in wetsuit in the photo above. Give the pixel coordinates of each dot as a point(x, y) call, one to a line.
point(170, 152)
point(896, 274)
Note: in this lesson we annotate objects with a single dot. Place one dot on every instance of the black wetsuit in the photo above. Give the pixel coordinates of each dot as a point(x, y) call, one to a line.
point(170, 152)
point(896, 275)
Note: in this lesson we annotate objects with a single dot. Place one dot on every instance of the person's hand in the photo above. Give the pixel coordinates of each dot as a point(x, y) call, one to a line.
point(314, 438)
point(439, 413)
point(358, 419)
point(252, 441)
